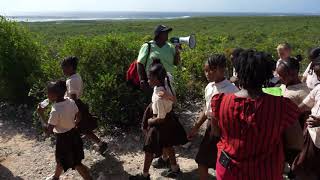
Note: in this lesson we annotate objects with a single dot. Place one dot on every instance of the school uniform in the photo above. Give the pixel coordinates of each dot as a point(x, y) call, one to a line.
point(166, 134)
point(75, 86)
point(309, 158)
point(312, 79)
point(207, 154)
point(69, 145)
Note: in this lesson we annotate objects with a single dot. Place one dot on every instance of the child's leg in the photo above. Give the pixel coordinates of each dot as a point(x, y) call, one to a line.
point(148, 157)
point(203, 172)
point(58, 171)
point(172, 158)
point(165, 155)
point(93, 137)
point(84, 172)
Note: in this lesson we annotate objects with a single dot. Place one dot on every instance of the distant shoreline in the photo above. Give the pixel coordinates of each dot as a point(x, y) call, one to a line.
point(123, 16)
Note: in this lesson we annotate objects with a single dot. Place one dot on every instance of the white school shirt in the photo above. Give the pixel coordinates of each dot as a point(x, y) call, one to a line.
point(312, 79)
point(62, 115)
point(275, 79)
point(313, 101)
point(74, 86)
point(160, 106)
point(296, 93)
point(213, 89)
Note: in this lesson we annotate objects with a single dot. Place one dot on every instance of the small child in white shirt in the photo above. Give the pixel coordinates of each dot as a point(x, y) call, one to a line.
point(88, 123)
point(161, 127)
point(62, 121)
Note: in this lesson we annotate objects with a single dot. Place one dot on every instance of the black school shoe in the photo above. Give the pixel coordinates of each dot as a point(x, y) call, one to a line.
point(160, 163)
point(139, 177)
point(171, 174)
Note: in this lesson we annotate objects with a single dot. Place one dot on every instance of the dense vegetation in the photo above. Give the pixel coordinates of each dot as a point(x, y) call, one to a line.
point(106, 48)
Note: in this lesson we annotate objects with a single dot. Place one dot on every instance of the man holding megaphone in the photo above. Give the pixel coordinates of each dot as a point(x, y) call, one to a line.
point(161, 49)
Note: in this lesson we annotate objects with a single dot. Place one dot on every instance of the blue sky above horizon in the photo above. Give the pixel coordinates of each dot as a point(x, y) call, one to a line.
point(9, 7)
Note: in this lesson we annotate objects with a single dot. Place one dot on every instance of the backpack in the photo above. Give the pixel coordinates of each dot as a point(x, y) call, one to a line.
point(132, 72)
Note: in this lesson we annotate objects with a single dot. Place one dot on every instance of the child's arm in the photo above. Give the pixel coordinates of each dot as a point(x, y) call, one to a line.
point(303, 108)
point(215, 130)
point(77, 118)
point(40, 112)
point(202, 118)
point(167, 95)
point(49, 129)
point(161, 113)
point(155, 121)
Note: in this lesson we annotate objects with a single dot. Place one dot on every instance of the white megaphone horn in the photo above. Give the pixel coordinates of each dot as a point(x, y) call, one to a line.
point(189, 40)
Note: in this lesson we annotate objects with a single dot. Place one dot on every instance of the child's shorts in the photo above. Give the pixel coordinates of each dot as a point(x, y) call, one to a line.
point(207, 154)
point(69, 149)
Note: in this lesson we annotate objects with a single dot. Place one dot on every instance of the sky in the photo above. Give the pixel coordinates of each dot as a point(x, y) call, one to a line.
point(280, 6)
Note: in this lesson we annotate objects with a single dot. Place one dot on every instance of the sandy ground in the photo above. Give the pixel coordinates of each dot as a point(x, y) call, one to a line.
point(25, 154)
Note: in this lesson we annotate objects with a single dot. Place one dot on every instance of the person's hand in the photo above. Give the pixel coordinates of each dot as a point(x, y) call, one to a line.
point(178, 48)
point(40, 110)
point(313, 121)
point(143, 85)
point(194, 131)
point(164, 95)
point(46, 131)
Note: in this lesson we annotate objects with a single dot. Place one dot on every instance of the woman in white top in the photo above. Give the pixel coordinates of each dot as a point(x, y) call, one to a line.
point(62, 121)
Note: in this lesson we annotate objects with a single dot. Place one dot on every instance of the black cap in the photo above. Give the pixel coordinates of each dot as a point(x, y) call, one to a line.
point(161, 28)
point(314, 53)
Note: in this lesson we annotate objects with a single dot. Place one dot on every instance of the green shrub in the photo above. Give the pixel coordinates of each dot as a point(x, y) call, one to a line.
point(20, 55)
point(103, 64)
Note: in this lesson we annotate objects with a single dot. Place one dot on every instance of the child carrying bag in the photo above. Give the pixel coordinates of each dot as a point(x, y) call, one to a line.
point(132, 73)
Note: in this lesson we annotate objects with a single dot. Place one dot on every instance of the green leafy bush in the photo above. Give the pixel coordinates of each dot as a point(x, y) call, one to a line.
point(20, 56)
point(102, 65)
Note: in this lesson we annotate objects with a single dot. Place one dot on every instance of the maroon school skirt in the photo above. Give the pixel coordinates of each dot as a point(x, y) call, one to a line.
point(307, 163)
point(169, 133)
point(207, 154)
point(69, 149)
point(87, 123)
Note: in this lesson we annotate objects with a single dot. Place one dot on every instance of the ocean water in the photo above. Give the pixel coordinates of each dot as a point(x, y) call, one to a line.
point(75, 16)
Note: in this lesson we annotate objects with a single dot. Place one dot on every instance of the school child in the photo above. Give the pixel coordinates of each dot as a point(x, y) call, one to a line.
point(161, 127)
point(309, 76)
point(292, 87)
point(284, 52)
point(306, 165)
point(234, 54)
point(214, 70)
point(74, 91)
point(64, 117)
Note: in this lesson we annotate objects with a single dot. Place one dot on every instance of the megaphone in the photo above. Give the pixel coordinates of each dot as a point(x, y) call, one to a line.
point(189, 40)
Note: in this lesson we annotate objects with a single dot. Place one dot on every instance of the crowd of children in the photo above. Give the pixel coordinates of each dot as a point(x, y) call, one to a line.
point(249, 135)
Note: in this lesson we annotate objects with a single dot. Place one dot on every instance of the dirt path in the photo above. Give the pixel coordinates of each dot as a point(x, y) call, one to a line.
point(26, 155)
